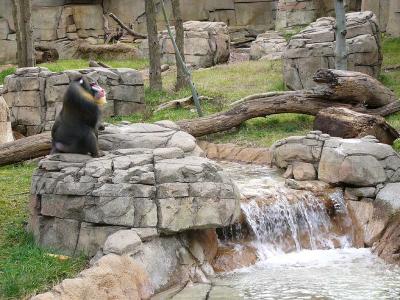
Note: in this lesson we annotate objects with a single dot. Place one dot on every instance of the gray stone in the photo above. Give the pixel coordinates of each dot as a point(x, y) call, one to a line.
point(304, 171)
point(122, 242)
point(197, 291)
point(269, 45)
point(168, 153)
point(390, 195)
point(355, 193)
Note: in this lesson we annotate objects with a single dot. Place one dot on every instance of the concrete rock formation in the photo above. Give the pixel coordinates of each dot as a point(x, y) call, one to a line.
point(387, 12)
point(206, 44)
point(35, 95)
point(365, 167)
point(269, 45)
point(151, 181)
point(314, 48)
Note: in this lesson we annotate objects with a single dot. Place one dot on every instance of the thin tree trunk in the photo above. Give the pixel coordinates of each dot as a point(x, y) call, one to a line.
point(340, 52)
point(154, 46)
point(16, 14)
point(23, 25)
point(181, 78)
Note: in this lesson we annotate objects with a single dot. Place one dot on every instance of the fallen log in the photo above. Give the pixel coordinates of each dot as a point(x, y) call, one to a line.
point(346, 123)
point(353, 87)
point(260, 105)
point(302, 102)
point(26, 148)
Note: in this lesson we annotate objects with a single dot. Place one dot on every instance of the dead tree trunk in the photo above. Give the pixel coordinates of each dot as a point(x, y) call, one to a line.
point(181, 78)
point(340, 52)
point(23, 25)
point(331, 93)
point(154, 46)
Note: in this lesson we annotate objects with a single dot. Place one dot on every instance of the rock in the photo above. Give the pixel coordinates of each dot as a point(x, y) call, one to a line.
point(6, 134)
point(292, 13)
point(393, 19)
point(389, 195)
point(288, 173)
point(229, 258)
point(304, 171)
point(205, 242)
point(113, 276)
point(370, 218)
point(388, 246)
point(355, 162)
point(297, 149)
point(35, 95)
point(122, 242)
point(206, 44)
point(269, 45)
point(356, 193)
point(128, 188)
point(313, 48)
point(345, 123)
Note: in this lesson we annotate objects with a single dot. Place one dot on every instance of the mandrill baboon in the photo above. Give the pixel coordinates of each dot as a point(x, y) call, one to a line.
point(75, 128)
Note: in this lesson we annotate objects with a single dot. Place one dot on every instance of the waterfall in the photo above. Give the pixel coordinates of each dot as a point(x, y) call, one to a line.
point(293, 220)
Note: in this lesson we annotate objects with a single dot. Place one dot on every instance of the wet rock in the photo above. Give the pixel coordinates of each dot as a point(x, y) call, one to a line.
point(356, 193)
point(304, 171)
point(230, 257)
point(371, 218)
point(388, 246)
point(389, 195)
point(193, 292)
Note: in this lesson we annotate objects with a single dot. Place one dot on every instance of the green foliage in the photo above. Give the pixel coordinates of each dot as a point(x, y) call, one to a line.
point(5, 73)
point(24, 268)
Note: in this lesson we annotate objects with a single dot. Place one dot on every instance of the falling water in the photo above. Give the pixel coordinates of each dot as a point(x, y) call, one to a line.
point(301, 253)
point(283, 219)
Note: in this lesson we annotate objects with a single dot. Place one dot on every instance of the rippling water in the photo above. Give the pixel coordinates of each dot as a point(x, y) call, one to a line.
point(346, 273)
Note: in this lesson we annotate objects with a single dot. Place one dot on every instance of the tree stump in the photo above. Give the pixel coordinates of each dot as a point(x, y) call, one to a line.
point(346, 123)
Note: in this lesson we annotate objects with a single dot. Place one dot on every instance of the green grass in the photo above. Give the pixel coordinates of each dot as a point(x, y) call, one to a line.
point(391, 57)
point(68, 64)
point(24, 268)
point(5, 73)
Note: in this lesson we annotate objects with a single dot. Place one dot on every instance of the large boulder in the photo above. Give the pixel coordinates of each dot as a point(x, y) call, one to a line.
point(206, 44)
point(314, 48)
point(78, 201)
point(269, 45)
point(356, 162)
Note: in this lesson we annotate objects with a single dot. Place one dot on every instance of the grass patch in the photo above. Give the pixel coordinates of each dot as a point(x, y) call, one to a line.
point(5, 73)
point(391, 57)
point(68, 64)
point(24, 268)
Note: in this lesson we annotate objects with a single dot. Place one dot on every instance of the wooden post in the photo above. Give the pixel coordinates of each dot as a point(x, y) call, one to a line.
point(182, 63)
point(154, 46)
point(340, 51)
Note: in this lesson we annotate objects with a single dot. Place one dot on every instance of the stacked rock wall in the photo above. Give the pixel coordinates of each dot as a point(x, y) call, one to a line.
point(206, 44)
point(154, 180)
point(314, 48)
point(35, 95)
